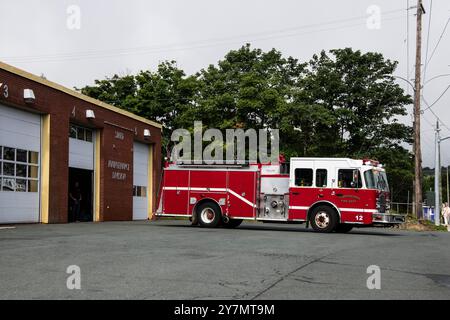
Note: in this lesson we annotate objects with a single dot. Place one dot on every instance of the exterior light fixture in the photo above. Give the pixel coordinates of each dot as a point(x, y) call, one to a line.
point(28, 96)
point(147, 133)
point(90, 114)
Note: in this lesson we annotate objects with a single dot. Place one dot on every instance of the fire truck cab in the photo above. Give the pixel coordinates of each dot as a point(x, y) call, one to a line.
point(330, 194)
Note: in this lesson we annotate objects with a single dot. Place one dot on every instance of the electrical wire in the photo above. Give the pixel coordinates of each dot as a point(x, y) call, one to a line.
point(437, 117)
point(428, 41)
point(407, 44)
point(284, 33)
point(437, 100)
point(439, 41)
point(428, 121)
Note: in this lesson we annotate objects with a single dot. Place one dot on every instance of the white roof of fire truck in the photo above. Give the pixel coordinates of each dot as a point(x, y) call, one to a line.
point(341, 161)
point(307, 161)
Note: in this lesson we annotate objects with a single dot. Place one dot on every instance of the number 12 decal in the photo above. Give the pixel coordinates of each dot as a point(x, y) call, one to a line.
point(359, 217)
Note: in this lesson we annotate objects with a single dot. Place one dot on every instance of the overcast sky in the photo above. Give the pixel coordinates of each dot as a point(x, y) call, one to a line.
point(125, 36)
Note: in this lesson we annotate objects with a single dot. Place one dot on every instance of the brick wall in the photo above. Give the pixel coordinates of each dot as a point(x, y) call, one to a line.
point(115, 195)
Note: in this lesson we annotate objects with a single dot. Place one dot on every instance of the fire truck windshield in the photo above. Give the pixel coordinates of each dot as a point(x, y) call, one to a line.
point(376, 179)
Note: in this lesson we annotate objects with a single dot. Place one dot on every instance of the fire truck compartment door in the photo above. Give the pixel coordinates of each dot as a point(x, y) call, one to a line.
point(242, 194)
point(176, 192)
point(301, 190)
point(350, 198)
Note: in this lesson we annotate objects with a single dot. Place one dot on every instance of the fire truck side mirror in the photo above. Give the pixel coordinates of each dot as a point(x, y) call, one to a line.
point(355, 182)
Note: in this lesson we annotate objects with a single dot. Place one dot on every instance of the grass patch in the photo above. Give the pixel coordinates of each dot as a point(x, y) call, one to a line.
point(421, 225)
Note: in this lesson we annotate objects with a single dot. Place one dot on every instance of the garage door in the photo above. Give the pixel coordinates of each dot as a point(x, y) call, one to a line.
point(81, 148)
point(140, 181)
point(20, 140)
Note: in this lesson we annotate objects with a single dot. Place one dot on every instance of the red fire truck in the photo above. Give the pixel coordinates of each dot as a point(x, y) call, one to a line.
point(330, 194)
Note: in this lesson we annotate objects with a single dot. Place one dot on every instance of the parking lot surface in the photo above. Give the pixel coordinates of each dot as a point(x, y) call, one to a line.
point(169, 259)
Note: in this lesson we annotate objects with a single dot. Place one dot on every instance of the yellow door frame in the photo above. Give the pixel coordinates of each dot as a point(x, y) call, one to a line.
point(150, 181)
point(45, 169)
point(97, 171)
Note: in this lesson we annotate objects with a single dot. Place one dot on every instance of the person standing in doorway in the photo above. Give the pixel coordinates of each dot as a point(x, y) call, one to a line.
point(75, 197)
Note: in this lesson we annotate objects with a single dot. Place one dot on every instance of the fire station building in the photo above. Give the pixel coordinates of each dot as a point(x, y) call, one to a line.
point(58, 146)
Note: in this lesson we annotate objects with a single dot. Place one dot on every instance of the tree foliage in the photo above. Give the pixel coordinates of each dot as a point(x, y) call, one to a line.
point(166, 95)
point(340, 103)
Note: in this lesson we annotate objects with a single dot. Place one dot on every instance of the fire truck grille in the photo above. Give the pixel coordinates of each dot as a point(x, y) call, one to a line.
point(382, 203)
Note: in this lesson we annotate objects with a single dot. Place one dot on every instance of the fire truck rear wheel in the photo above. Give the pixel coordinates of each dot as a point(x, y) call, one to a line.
point(209, 215)
point(343, 228)
point(323, 219)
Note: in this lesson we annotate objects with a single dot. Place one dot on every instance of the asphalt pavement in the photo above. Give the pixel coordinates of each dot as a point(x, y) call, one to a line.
point(172, 260)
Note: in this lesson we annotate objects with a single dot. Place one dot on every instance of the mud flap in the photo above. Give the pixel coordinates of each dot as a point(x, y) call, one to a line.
point(194, 220)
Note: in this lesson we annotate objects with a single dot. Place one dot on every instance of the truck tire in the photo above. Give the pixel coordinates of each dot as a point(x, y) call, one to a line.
point(323, 219)
point(232, 223)
point(343, 228)
point(209, 215)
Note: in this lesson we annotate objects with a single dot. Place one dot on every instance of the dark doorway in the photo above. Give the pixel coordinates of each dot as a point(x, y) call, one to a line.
point(80, 188)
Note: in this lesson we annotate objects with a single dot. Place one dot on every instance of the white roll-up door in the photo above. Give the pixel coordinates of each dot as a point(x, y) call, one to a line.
point(140, 181)
point(81, 148)
point(20, 149)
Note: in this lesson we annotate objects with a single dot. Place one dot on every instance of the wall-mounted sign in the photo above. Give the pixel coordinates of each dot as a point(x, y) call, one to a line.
point(118, 167)
point(119, 175)
point(119, 135)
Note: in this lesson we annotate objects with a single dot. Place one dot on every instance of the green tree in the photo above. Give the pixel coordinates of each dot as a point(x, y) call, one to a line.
point(251, 88)
point(340, 103)
point(359, 91)
point(166, 95)
point(248, 87)
point(363, 103)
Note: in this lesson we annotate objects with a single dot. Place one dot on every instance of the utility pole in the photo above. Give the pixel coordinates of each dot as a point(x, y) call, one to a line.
point(448, 192)
point(437, 176)
point(417, 149)
point(407, 205)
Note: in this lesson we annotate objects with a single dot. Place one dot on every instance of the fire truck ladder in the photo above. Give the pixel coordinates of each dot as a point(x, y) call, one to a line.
point(188, 164)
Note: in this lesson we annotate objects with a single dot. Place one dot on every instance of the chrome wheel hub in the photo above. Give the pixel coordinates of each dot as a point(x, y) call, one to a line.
point(322, 219)
point(207, 215)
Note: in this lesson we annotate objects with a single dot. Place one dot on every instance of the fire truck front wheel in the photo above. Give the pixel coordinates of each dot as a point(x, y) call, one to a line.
point(209, 215)
point(323, 219)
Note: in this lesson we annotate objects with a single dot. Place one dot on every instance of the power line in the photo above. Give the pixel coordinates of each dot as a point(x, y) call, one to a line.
point(428, 121)
point(427, 61)
point(407, 22)
point(143, 50)
point(428, 42)
point(284, 33)
point(407, 43)
point(439, 41)
point(437, 117)
point(437, 100)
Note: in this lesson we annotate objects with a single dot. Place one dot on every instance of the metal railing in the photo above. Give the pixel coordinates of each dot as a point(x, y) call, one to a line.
point(401, 207)
point(407, 208)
